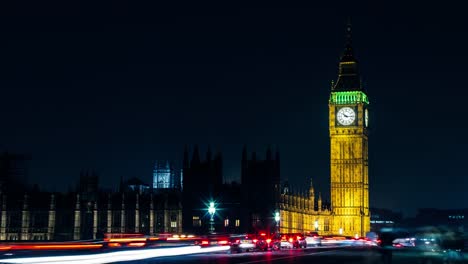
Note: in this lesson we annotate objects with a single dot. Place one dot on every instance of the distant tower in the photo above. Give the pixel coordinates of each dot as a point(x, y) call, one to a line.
point(166, 176)
point(348, 127)
point(162, 175)
point(311, 197)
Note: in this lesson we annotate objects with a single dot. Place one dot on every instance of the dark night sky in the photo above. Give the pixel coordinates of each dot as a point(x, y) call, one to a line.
point(113, 87)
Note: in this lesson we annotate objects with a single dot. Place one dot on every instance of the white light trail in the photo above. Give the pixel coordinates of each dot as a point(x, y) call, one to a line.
point(128, 255)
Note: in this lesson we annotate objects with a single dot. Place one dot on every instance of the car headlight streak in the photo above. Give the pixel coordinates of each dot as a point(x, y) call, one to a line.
point(127, 255)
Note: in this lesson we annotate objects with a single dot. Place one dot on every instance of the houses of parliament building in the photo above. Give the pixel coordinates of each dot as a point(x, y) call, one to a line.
point(176, 206)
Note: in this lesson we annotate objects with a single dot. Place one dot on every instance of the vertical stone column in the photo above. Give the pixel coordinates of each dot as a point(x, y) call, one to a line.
point(319, 203)
point(95, 220)
point(4, 219)
point(303, 205)
point(151, 216)
point(77, 222)
point(122, 215)
point(137, 214)
point(25, 219)
point(109, 214)
point(51, 224)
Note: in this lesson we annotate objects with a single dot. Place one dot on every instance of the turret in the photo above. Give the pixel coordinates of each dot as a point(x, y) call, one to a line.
point(319, 205)
point(311, 196)
point(286, 187)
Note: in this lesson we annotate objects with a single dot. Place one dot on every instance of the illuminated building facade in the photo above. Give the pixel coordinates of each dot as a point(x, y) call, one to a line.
point(302, 212)
point(166, 176)
point(348, 127)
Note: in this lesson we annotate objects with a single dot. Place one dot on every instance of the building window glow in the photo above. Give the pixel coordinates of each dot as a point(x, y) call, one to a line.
point(226, 222)
point(196, 222)
point(173, 224)
point(237, 222)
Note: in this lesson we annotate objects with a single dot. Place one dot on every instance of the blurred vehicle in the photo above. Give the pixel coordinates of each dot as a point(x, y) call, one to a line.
point(265, 241)
point(373, 238)
point(446, 243)
point(334, 239)
point(404, 242)
point(115, 240)
point(214, 240)
point(438, 239)
point(293, 240)
point(313, 239)
point(242, 243)
point(361, 241)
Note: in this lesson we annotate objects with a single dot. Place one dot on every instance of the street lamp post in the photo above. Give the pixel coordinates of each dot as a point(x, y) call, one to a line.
point(211, 211)
point(277, 220)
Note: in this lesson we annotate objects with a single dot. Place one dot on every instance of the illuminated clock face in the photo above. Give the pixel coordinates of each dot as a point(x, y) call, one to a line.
point(366, 118)
point(346, 116)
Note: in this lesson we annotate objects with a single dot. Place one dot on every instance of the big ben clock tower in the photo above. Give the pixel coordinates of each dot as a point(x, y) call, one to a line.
point(348, 124)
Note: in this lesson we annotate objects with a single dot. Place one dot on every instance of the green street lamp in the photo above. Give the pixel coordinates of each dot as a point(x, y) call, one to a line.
point(212, 211)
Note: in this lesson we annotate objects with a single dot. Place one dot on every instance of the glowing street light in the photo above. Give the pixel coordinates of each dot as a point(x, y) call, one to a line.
point(277, 220)
point(277, 217)
point(341, 231)
point(316, 225)
point(212, 211)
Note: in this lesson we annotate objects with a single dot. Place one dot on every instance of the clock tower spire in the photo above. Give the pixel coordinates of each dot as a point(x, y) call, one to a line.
point(348, 122)
point(348, 71)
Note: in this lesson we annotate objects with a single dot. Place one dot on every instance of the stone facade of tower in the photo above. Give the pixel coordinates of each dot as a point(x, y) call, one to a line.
point(348, 127)
point(349, 179)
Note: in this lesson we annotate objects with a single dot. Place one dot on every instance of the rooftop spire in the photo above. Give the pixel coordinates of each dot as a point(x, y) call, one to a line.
point(348, 54)
point(348, 73)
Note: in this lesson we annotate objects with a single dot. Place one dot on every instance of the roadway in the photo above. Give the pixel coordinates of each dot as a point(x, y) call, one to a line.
point(195, 254)
point(331, 255)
